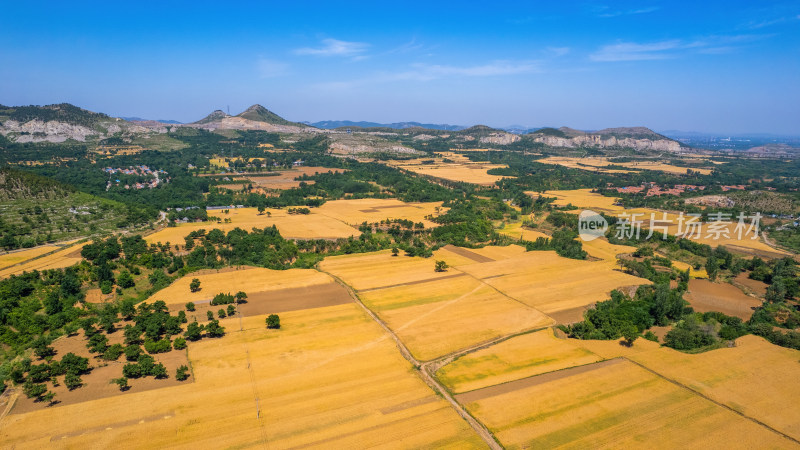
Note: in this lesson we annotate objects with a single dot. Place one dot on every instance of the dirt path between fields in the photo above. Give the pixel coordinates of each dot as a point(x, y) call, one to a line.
point(426, 376)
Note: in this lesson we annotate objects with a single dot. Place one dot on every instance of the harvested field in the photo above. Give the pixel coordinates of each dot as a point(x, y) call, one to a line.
point(615, 405)
point(461, 169)
point(18, 256)
point(705, 295)
point(519, 357)
point(755, 378)
point(598, 164)
point(58, 260)
point(758, 288)
point(517, 231)
point(381, 269)
point(438, 317)
point(550, 283)
point(275, 301)
point(354, 212)
point(286, 179)
point(293, 226)
point(329, 378)
point(252, 281)
point(728, 235)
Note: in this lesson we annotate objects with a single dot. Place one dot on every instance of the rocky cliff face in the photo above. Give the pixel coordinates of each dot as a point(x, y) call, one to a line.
point(601, 141)
point(500, 138)
point(57, 131)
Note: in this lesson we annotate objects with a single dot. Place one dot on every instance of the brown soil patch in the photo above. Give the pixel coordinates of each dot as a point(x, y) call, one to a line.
point(467, 254)
point(274, 302)
point(96, 296)
point(764, 254)
point(570, 316)
point(97, 383)
point(492, 391)
point(756, 287)
point(411, 283)
point(705, 296)
point(661, 332)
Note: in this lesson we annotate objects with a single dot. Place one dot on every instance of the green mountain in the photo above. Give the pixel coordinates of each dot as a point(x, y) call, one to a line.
point(62, 112)
point(260, 114)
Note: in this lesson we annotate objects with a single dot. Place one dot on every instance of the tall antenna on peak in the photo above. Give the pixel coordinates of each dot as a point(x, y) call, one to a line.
point(229, 110)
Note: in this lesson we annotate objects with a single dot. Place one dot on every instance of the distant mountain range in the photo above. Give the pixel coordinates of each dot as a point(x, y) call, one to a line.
point(331, 124)
point(139, 119)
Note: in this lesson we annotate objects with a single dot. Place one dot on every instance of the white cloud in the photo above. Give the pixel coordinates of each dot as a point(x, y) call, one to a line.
point(430, 72)
point(557, 51)
point(335, 47)
point(631, 51)
point(269, 68)
point(604, 11)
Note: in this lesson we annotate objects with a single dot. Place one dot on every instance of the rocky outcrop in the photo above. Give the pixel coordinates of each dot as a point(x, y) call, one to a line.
point(605, 141)
point(500, 138)
point(38, 131)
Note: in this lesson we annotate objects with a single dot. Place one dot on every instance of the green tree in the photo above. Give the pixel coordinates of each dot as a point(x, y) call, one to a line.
point(231, 310)
point(72, 381)
point(213, 329)
point(210, 315)
point(190, 306)
point(441, 266)
point(125, 280)
point(182, 373)
point(194, 331)
point(179, 343)
point(221, 313)
point(395, 251)
point(273, 322)
point(194, 286)
point(122, 382)
point(629, 333)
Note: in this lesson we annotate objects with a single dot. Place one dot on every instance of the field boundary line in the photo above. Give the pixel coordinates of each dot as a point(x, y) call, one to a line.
point(716, 402)
point(431, 381)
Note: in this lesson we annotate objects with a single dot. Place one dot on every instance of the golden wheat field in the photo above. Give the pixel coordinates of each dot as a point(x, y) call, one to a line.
point(66, 257)
point(438, 317)
point(550, 283)
point(328, 378)
point(299, 226)
point(11, 258)
point(613, 404)
point(381, 269)
point(249, 280)
point(755, 378)
point(516, 358)
point(727, 236)
point(354, 212)
point(598, 164)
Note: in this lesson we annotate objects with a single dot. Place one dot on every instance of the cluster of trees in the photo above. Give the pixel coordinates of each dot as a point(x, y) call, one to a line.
point(34, 377)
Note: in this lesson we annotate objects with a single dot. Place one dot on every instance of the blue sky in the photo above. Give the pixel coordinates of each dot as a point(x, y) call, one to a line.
point(714, 66)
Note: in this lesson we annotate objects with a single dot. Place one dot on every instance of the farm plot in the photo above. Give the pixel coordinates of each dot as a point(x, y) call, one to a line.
point(705, 295)
point(354, 212)
point(612, 404)
point(519, 357)
point(755, 378)
point(598, 164)
point(458, 168)
point(728, 235)
point(16, 257)
point(438, 317)
point(561, 288)
point(330, 377)
point(58, 260)
point(268, 291)
point(292, 226)
point(286, 179)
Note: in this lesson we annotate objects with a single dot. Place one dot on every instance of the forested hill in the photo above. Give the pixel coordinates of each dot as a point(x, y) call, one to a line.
point(62, 112)
point(17, 185)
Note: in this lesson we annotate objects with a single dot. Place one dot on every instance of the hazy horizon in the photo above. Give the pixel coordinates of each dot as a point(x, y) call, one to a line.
point(719, 67)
